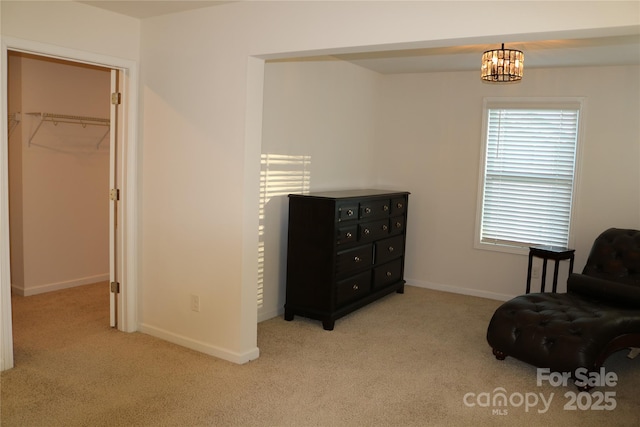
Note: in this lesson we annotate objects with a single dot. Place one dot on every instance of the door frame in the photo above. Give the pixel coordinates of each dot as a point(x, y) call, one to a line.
point(127, 179)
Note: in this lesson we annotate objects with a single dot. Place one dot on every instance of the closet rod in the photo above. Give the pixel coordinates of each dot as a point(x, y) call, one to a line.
point(65, 118)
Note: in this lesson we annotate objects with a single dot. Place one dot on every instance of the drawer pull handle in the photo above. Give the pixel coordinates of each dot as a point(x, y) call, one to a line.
point(400, 205)
point(398, 224)
point(349, 212)
point(384, 227)
point(356, 287)
point(366, 231)
point(385, 208)
point(388, 274)
point(367, 210)
point(390, 248)
point(349, 235)
point(357, 259)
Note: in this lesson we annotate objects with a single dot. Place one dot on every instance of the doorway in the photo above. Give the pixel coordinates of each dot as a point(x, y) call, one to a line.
point(125, 178)
point(59, 152)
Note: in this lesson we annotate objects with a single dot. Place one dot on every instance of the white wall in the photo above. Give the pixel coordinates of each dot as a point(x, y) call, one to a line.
point(436, 123)
point(200, 150)
point(61, 238)
point(71, 25)
point(425, 131)
point(198, 137)
point(325, 111)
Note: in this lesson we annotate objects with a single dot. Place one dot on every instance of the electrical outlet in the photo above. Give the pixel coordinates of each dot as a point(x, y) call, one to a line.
point(535, 272)
point(195, 303)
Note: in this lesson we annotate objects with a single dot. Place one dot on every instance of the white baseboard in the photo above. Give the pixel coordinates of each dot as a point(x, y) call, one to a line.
point(50, 287)
point(202, 347)
point(262, 316)
point(458, 290)
point(266, 315)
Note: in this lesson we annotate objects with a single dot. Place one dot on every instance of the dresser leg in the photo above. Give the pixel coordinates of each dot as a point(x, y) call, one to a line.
point(328, 324)
point(288, 315)
point(400, 290)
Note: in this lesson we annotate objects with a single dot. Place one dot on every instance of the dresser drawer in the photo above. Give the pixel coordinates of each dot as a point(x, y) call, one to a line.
point(375, 209)
point(398, 205)
point(387, 274)
point(369, 231)
point(352, 259)
point(388, 249)
point(353, 288)
point(397, 224)
point(347, 234)
point(347, 211)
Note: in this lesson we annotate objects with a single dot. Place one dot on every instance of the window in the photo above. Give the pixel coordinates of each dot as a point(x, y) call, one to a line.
point(528, 173)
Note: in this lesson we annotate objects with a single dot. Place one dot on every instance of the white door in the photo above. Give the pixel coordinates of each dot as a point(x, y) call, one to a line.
point(114, 288)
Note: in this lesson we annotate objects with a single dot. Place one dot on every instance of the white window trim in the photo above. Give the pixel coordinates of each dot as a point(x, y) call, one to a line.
point(529, 102)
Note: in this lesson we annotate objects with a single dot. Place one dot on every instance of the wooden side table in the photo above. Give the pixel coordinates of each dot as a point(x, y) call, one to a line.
point(556, 253)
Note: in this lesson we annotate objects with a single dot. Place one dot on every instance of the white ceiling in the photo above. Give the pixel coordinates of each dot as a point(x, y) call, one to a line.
point(149, 8)
point(621, 48)
point(615, 50)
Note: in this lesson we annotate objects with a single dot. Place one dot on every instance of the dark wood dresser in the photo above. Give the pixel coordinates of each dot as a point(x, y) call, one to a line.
point(345, 250)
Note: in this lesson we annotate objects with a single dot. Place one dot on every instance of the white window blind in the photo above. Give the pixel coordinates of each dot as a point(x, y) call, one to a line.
point(529, 176)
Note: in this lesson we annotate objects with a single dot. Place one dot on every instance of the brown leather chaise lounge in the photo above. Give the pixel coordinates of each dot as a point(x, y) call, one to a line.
point(597, 316)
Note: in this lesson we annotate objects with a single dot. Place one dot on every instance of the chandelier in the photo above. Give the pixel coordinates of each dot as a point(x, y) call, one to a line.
point(502, 65)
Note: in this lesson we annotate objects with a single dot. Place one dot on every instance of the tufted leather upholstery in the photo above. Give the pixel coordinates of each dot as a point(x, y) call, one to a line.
point(615, 255)
point(599, 314)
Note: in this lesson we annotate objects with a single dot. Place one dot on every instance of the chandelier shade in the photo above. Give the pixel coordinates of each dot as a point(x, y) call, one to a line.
point(502, 65)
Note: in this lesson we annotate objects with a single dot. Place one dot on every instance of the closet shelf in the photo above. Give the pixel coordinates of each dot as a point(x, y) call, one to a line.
point(84, 121)
point(14, 121)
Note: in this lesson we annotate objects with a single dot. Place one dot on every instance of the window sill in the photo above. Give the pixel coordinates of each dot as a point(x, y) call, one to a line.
point(510, 249)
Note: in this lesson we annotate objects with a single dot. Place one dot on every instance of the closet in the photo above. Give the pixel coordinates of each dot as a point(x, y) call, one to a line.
point(58, 128)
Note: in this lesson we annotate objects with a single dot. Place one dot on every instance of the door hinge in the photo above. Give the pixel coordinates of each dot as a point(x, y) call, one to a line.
point(114, 194)
point(115, 287)
point(116, 98)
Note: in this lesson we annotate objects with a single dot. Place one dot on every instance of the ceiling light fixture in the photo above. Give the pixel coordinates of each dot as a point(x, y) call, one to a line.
point(502, 65)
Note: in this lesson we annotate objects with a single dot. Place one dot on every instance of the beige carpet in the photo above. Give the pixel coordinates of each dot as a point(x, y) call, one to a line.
point(407, 360)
